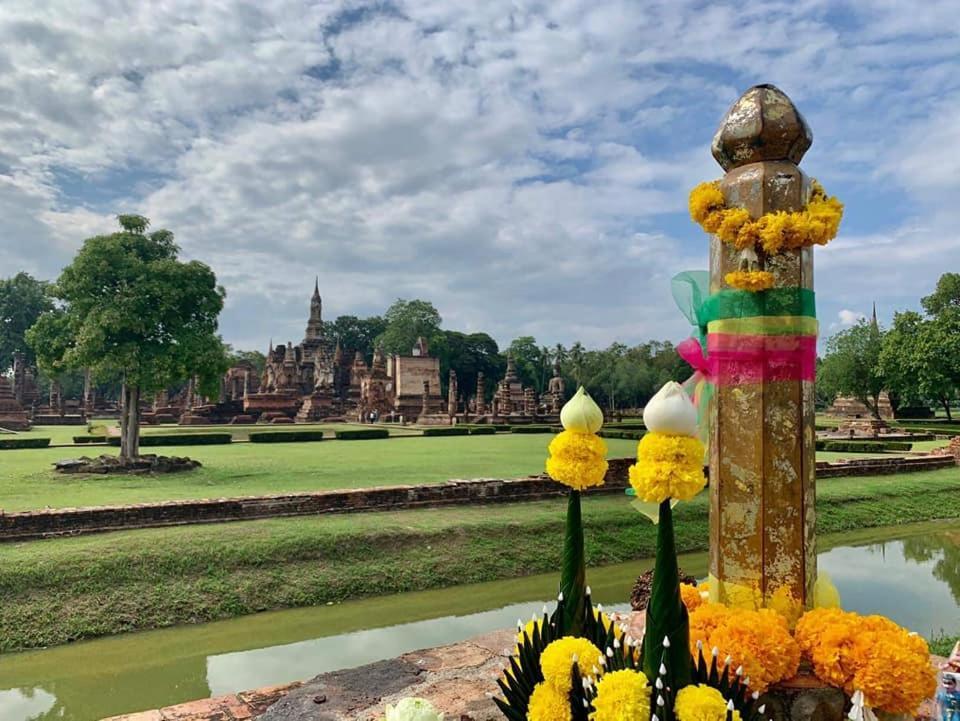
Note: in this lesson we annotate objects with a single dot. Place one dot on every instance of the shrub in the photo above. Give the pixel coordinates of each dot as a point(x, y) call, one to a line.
point(89, 439)
point(863, 446)
point(361, 434)
point(505, 427)
point(915, 412)
point(11, 443)
point(285, 436)
point(531, 429)
point(446, 431)
point(180, 439)
point(483, 431)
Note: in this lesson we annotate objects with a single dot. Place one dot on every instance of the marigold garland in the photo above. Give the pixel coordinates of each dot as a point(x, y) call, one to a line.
point(691, 596)
point(750, 280)
point(622, 696)
point(760, 641)
point(547, 703)
point(701, 703)
point(871, 654)
point(556, 661)
point(817, 224)
point(668, 467)
point(577, 460)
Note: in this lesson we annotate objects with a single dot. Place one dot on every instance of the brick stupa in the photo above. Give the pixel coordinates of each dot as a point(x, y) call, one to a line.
point(12, 415)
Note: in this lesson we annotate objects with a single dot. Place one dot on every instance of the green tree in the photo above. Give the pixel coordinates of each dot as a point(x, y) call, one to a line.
point(407, 320)
point(937, 350)
point(254, 357)
point(528, 359)
point(851, 365)
point(23, 299)
point(946, 295)
point(358, 334)
point(133, 312)
point(899, 360)
point(468, 354)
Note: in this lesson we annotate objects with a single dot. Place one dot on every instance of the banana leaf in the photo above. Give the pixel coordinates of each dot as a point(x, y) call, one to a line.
point(573, 575)
point(666, 614)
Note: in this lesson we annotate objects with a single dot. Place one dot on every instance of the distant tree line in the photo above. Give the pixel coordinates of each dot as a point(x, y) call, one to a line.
point(916, 361)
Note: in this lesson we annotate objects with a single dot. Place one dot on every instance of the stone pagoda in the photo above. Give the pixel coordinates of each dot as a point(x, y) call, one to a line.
point(12, 415)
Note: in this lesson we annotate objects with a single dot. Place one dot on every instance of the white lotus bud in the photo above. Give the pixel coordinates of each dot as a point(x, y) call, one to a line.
point(580, 414)
point(671, 411)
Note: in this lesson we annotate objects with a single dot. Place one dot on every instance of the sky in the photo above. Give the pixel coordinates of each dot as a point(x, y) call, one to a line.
point(523, 165)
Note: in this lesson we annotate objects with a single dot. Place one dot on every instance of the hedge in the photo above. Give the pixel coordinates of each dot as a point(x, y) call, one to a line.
point(446, 431)
point(361, 434)
point(10, 443)
point(634, 435)
point(180, 439)
point(863, 446)
point(285, 436)
point(89, 439)
point(531, 429)
point(483, 431)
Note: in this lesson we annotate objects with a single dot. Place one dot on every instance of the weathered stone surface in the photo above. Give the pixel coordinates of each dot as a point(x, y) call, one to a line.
point(149, 463)
point(458, 679)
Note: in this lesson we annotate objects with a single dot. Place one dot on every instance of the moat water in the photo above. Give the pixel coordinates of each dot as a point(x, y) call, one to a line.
point(909, 573)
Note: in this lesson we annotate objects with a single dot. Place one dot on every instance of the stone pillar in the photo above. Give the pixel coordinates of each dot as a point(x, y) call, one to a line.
point(246, 383)
point(56, 397)
point(481, 397)
point(425, 408)
point(88, 399)
point(222, 398)
point(190, 398)
point(452, 394)
point(762, 445)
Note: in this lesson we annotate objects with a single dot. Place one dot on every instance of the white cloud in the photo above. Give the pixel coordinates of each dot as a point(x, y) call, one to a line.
point(523, 165)
point(848, 317)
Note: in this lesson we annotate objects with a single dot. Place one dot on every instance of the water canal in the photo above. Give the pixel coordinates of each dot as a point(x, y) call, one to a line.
point(909, 573)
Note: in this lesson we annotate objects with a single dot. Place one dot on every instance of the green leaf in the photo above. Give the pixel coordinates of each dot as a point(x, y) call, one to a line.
point(573, 578)
point(666, 614)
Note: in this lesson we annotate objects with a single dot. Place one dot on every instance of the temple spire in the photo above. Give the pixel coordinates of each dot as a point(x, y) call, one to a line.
point(873, 319)
point(315, 323)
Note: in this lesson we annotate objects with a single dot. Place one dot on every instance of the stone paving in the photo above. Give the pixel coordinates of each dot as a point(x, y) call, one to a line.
point(232, 707)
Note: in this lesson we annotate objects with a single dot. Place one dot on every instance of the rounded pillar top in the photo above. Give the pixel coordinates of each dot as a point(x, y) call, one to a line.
point(763, 124)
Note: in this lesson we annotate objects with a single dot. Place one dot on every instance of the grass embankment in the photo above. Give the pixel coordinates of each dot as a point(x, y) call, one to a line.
point(66, 589)
point(943, 645)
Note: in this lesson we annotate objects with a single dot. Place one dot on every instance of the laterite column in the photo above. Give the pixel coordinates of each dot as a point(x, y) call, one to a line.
point(762, 449)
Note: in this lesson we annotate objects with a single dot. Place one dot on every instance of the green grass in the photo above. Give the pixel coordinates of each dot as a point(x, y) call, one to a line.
point(66, 589)
point(27, 480)
point(943, 644)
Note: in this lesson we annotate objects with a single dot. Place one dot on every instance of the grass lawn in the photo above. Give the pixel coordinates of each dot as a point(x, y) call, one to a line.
point(65, 589)
point(27, 480)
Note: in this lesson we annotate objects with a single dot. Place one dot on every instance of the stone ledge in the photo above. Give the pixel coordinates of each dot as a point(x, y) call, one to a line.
point(231, 707)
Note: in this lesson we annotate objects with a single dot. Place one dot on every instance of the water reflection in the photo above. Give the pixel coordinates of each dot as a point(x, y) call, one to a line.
point(914, 579)
point(27, 704)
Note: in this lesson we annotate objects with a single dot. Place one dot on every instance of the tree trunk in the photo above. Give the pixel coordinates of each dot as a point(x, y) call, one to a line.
point(946, 407)
point(130, 423)
point(124, 405)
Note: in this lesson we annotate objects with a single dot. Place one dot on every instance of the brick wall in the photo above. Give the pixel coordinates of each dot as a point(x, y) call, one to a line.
point(70, 521)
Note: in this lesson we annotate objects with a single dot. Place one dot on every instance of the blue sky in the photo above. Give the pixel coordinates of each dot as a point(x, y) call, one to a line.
point(524, 165)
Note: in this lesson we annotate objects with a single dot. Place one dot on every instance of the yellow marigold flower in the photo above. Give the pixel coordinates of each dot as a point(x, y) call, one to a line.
point(556, 661)
point(760, 642)
point(871, 654)
point(817, 224)
point(547, 703)
point(703, 620)
point(691, 596)
point(622, 696)
point(751, 280)
point(577, 460)
point(704, 199)
point(668, 467)
point(701, 703)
